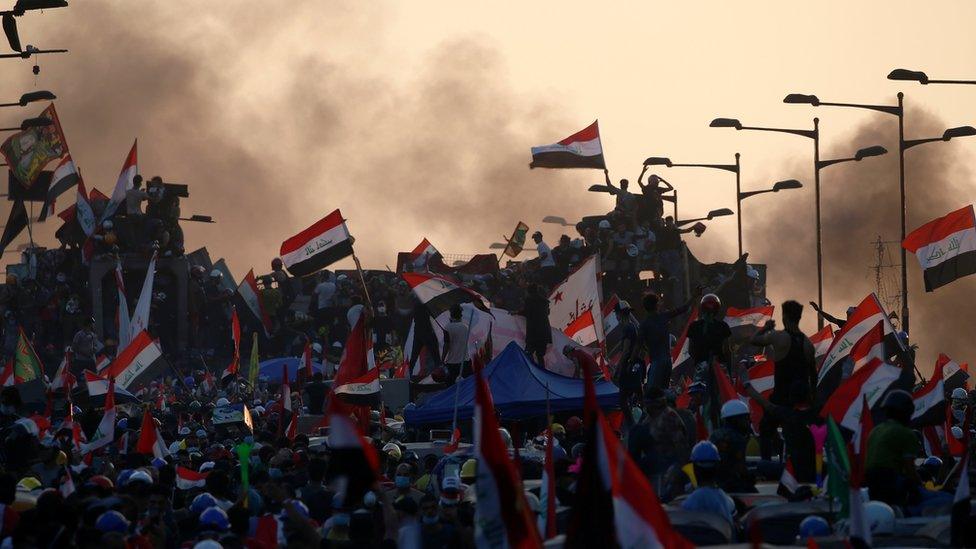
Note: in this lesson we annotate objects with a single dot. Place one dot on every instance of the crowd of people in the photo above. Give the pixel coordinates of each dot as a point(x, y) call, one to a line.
point(259, 482)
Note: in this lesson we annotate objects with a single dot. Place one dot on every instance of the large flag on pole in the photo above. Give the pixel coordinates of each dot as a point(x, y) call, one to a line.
point(357, 379)
point(583, 149)
point(98, 390)
point(125, 182)
point(821, 343)
point(318, 246)
point(744, 323)
point(140, 319)
point(422, 254)
point(576, 295)
point(945, 247)
point(502, 517)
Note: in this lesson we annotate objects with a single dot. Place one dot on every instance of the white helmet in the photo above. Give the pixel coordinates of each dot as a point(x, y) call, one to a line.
point(604, 224)
point(956, 432)
point(734, 408)
point(222, 401)
point(959, 394)
point(880, 517)
point(216, 274)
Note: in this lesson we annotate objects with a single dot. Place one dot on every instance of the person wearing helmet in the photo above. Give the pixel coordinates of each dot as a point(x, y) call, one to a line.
point(708, 497)
point(892, 448)
point(708, 343)
point(813, 526)
point(794, 363)
point(658, 441)
point(548, 273)
point(112, 521)
point(655, 334)
point(214, 519)
point(930, 472)
point(880, 518)
point(731, 440)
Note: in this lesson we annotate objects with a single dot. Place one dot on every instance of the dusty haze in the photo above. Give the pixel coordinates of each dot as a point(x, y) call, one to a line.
point(416, 121)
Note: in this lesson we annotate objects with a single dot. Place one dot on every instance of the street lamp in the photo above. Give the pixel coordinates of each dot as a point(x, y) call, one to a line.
point(721, 212)
point(899, 111)
point(30, 97)
point(922, 78)
point(39, 122)
point(734, 168)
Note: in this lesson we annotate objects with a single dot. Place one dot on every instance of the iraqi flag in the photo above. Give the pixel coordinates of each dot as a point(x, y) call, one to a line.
point(65, 176)
point(440, 293)
point(577, 294)
point(930, 401)
point(583, 329)
point(248, 290)
point(357, 380)
point(872, 377)
point(318, 246)
point(821, 343)
point(235, 335)
point(583, 149)
point(150, 439)
point(421, 255)
point(140, 318)
point(352, 456)
point(681, 363)
point(63, 380)
point(83, 212)
point(953, 374)
point(864, 318)
point(98, 388)
point(188, 479)
point(138, 364)
point(744, 323)
point(125, 182)
point(502, 516)
point(788, 485)
point(105, 433)
point(945, 247)
point(614, 498)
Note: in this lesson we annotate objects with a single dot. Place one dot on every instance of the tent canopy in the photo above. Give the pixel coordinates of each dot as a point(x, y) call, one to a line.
point(270, 370)
point(518, 389)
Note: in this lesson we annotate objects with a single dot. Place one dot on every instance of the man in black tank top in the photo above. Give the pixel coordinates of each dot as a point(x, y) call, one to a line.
point(793, 355)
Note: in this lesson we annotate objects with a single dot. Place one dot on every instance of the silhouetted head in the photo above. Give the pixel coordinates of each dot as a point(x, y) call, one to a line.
point(792, 312)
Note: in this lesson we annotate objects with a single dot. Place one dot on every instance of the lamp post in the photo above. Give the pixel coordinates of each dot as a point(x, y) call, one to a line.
point(922, 78)
point(31, 97)
point(777, 187)
point(721, 212)
point(734, 168)
point(39, 122)
point(897, 110)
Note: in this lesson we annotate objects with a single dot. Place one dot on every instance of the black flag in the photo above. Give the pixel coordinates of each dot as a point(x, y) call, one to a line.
point(16, 224)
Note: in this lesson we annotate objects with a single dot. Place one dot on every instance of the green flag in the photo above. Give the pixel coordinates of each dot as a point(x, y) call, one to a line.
point(252, 369)
point(27, 367)
point(838, 467)
point(244, 454)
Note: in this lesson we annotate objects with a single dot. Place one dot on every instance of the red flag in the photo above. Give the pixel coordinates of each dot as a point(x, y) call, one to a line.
point(455, 441)
point(235, 334)
point(726, 391)
point(502, 509)
point(150, 441)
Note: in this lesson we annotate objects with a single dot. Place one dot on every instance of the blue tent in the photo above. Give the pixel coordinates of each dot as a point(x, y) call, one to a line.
point(270, 370)
point(518, 388)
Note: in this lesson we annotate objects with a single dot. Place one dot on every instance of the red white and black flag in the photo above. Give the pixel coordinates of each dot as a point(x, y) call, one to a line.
point(358, 379)
point(864, 318)
point(138, 364)
point(421, 255)
point(930, 400)
point(945, 247)
point(681, 363)
point(248, 290)
point(440, 293)
point(583, 149)
point(744, 323)
point(318, 246)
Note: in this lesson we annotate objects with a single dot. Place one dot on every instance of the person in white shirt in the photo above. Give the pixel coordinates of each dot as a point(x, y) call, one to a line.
point(547, 264)
point(455, 354)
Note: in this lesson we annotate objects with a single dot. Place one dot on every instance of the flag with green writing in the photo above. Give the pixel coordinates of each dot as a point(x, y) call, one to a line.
point(27, 367)
point(252, 369)
point(838, 467)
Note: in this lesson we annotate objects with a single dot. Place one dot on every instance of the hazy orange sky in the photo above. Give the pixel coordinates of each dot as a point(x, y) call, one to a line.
point(416, 118)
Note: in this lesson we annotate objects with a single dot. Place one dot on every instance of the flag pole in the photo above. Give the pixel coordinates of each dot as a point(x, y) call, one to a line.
point(362, 279)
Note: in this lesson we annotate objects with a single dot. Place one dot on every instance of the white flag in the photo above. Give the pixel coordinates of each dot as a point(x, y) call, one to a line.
point(140, 320)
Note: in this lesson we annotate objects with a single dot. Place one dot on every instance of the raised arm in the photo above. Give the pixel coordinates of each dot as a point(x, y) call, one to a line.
point(640, 178)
